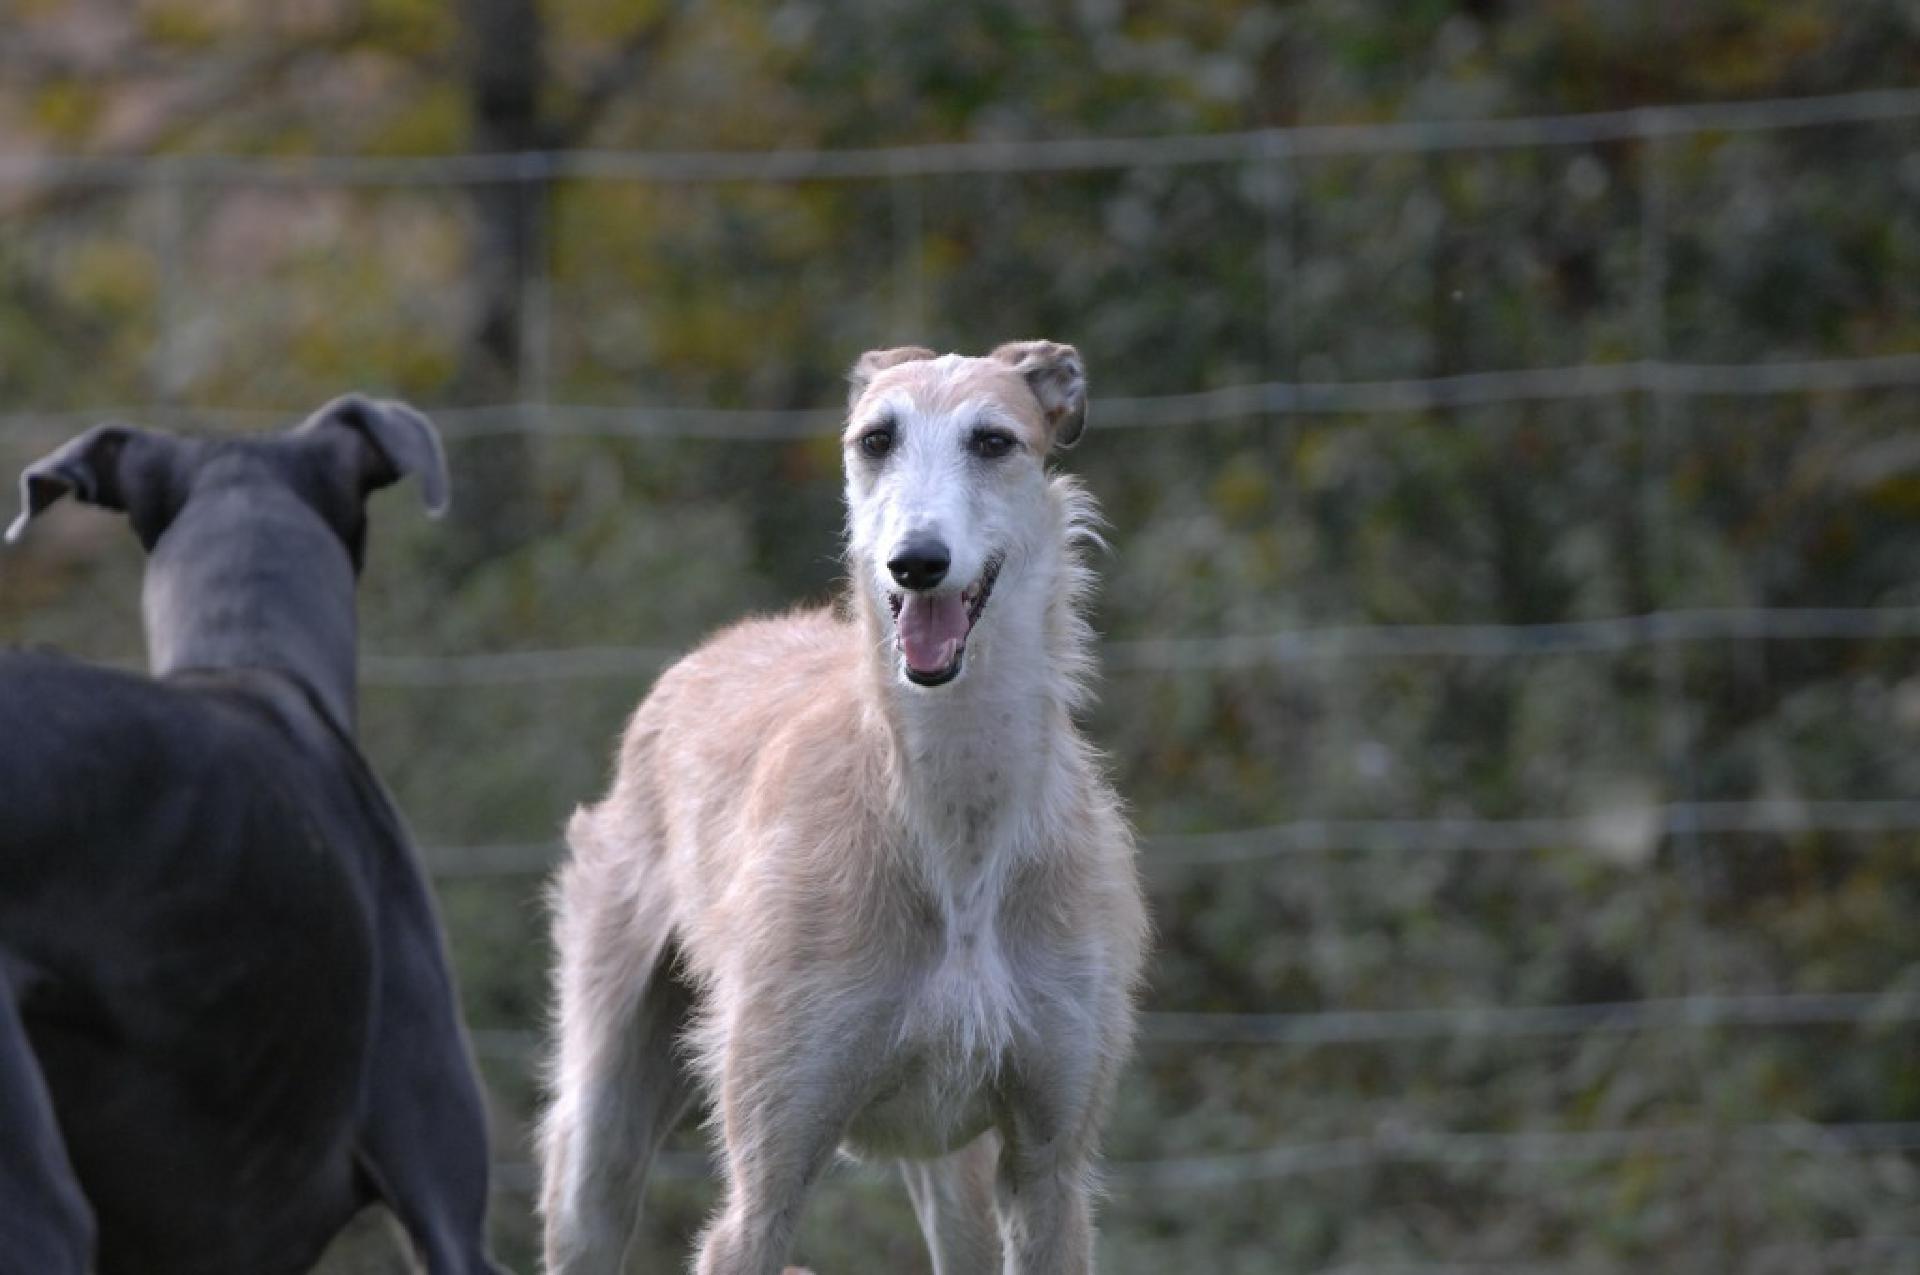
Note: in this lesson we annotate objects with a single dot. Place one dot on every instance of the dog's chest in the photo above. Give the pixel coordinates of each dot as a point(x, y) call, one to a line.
point(971, 999)
point(960, 1014)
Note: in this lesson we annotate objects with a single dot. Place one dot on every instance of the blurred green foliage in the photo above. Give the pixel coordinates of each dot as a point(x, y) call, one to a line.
point(236, 305)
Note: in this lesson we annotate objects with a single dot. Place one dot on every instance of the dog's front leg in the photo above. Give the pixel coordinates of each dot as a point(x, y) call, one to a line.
point(620, 1085)
point(787, 1092)
point(1049, 1128)
point(1046, 1210)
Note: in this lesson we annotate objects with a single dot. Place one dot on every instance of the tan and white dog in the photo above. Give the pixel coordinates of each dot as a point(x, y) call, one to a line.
point(861, 874)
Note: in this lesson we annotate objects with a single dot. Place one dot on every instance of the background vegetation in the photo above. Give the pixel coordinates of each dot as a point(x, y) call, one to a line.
point(1344, 824)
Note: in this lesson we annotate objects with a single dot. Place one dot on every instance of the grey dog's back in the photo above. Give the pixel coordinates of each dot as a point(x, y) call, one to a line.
point(191, 950)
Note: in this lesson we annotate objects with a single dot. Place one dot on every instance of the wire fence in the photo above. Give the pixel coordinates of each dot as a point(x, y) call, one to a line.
point(1615, 835)
point(1156, 412)
point(1865, 1252)
point(976, 158)
point(1395, 1145)
point(1228, 652)
point(1889, 1010)
point(1694, 825)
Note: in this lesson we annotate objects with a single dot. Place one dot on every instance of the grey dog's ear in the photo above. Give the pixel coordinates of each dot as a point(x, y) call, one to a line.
point(115, 467)
point(390, 440)
point(1058, 380)
point(874, 362)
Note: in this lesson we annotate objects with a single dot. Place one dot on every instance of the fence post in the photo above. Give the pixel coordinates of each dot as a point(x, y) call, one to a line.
point(1278, 255)
point(535, 373)
point(168, 373)
point(1675, 727)
point(909, 257)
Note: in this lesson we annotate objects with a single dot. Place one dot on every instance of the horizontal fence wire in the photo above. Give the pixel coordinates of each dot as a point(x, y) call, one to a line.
point(1247, 651)
point(1610, 634)
point(495, 668)
point(1766, 378)
point(1897, 1007)
point(1011, 155)
point(1851, 1256)
point(1847, 1255)
point(1226, 652)
point(1419, 1149)
point(1514, 1266)
point(1618, 835)
point(1360, 1027)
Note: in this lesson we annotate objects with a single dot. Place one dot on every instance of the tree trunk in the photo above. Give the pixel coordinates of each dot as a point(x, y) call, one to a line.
point(504, 39)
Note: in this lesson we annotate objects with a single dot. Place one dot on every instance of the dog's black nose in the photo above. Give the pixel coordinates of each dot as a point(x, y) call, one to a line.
point(920, 564)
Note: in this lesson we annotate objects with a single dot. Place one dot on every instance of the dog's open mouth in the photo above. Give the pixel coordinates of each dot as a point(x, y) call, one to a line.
point(931, 629)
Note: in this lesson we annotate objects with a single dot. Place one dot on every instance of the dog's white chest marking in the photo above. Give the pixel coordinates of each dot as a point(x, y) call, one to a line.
point(972, 999)
point(961, 1009)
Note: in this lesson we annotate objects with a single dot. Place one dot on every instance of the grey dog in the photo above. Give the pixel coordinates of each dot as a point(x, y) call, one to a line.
point(227, 1019)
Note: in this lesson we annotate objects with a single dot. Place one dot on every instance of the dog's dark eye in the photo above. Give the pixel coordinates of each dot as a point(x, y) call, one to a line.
point(876, 443)
point(991, 444)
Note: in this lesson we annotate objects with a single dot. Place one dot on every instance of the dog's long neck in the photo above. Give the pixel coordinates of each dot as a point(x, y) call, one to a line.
point(976, 760)
point(244, 580)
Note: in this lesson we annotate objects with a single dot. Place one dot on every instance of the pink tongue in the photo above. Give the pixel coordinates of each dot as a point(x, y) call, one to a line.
point(932, 626)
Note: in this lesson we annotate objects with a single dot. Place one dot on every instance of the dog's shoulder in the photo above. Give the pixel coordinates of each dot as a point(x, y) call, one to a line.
point(91, 721)
point(765, 711)
point(723, 702)
point(49, 697)
point(764, 641)
point(44, 665)
point(759, 670)
point(171, 774)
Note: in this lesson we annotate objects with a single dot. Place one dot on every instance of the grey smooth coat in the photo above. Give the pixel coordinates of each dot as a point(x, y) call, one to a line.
point(227, 1019)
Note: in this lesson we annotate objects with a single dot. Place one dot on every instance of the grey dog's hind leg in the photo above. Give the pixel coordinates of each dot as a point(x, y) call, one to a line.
point(45, 1224)
point(422, 1129)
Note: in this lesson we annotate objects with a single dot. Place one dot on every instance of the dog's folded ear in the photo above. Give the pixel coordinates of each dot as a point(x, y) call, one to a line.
point(387, 440)
point(874, 362)
point(115, 467)
point(1058, 380)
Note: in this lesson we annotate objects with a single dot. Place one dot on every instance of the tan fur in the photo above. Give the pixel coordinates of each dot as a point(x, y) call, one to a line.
point(910, 916)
